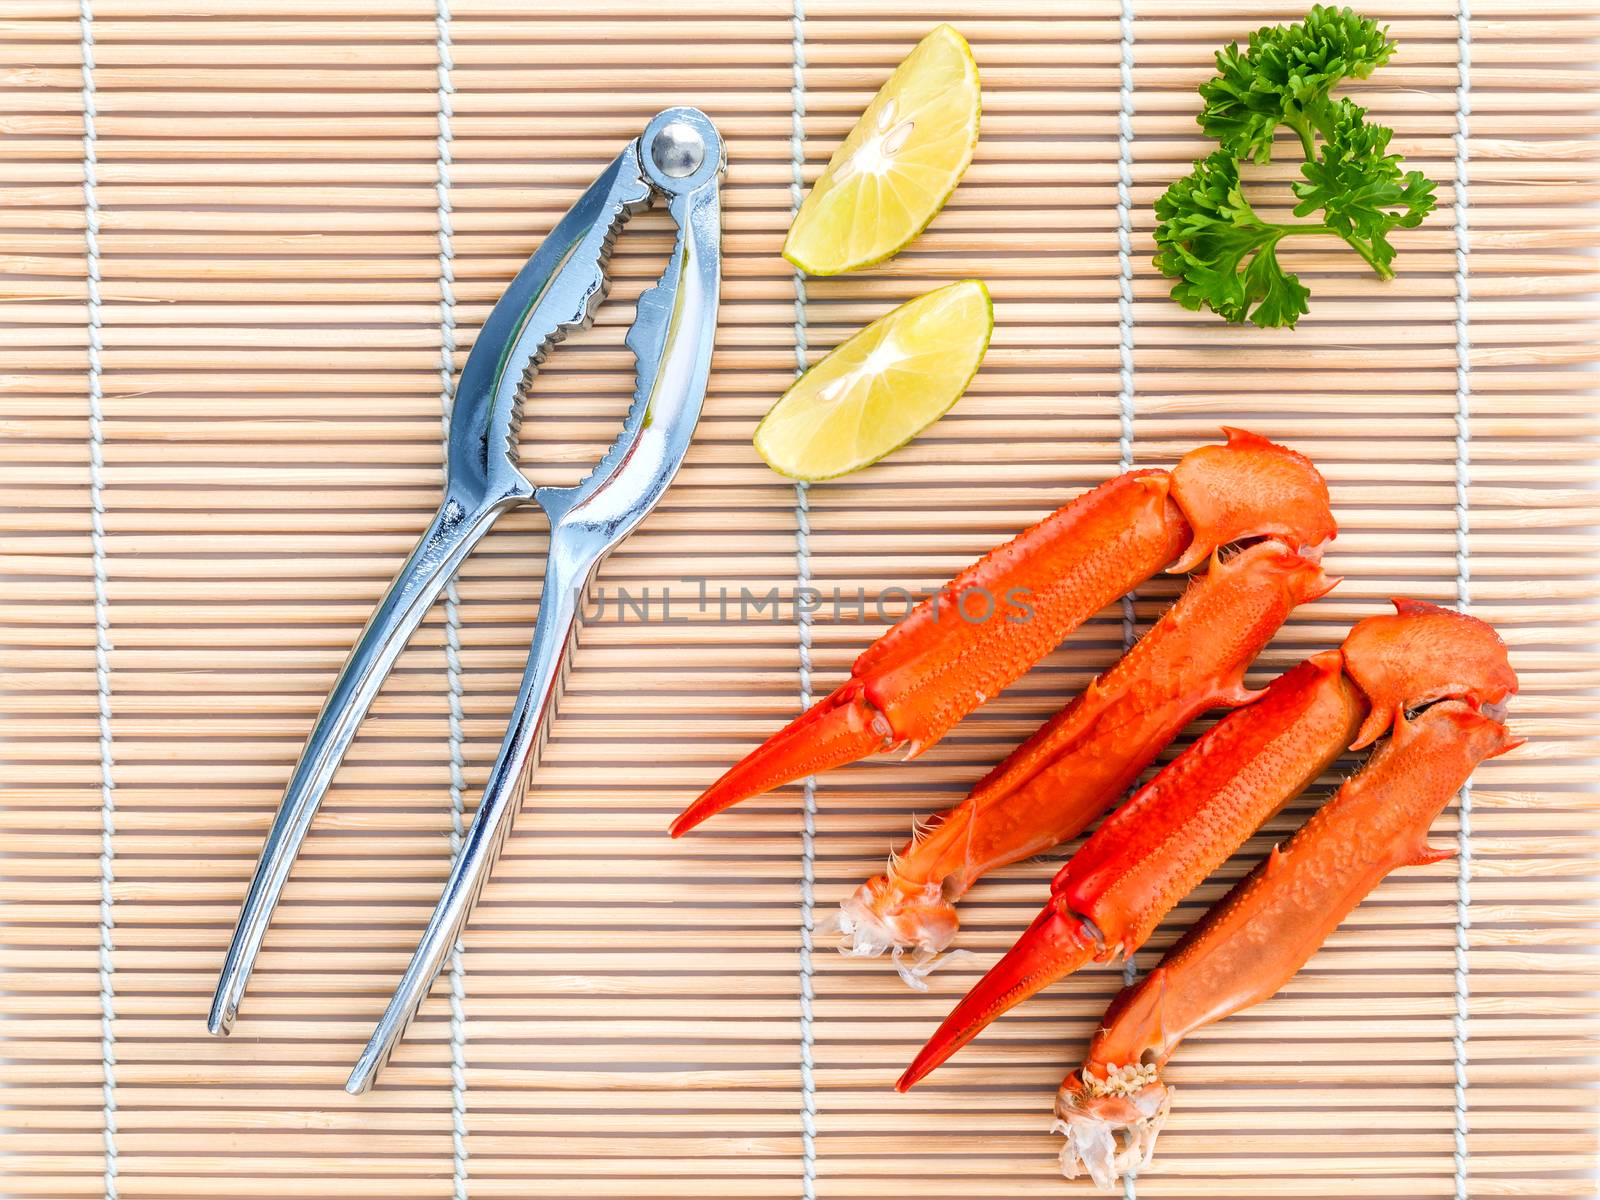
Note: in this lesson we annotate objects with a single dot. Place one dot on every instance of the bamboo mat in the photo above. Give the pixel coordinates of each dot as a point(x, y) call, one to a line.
point(636, 1017)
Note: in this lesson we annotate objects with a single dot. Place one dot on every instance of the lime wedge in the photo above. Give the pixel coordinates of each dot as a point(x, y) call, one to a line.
point(882, 387)
point(894, 172)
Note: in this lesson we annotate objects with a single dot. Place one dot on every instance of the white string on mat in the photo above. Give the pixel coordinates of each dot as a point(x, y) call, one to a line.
point(1125, 382)
point(1463, 447)
point(1125, 392)
point(452, 599)
point(802, 549)
point(102, 608)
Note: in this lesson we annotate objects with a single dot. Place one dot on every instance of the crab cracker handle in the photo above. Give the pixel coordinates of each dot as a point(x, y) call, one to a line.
point(556, 292)
point(447, 541)
point(672, 340)
point(565, 583)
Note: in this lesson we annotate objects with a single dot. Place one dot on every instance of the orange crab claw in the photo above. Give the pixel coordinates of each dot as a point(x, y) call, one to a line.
point(986, 628)
point(1057, 943)
point(938, 664)
point(1424, 653)
point(1168, 837)
point(1264, 930)
point(1079, 762)
point(1203, 805)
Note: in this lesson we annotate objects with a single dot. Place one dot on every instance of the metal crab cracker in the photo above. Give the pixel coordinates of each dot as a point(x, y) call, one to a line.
point(679, 158)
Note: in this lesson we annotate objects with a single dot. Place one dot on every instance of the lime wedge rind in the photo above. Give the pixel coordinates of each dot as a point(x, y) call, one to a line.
point(826, 237)
point(804, 437)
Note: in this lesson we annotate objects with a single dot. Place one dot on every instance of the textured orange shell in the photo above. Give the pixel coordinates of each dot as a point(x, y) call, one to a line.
point(1424, 653)
point(1264, 930)
point(1076, 765)
point(1250, 488)
point(1183, 824)
point(990, 624)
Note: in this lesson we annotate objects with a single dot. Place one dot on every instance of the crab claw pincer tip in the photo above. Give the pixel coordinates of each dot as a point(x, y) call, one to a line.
point(1056, 944)
point(840, 728)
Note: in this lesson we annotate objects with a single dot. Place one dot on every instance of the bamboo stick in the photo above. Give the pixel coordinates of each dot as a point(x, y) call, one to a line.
point(270, 325)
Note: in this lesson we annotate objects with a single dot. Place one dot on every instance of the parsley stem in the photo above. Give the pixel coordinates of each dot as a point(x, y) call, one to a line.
point(1308, 142)
point(1383, 271)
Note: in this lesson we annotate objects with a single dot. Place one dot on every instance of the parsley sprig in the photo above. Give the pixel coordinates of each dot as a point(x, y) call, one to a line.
point(1222, 254)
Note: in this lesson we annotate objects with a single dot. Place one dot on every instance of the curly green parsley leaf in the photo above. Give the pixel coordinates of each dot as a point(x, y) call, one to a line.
point(1359, 187)
point(1221, 253)
point(1285, 76)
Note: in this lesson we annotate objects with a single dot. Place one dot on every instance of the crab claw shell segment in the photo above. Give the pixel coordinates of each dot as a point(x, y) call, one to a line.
point(838, 729)
point(1177, 829)
point(1422, 653)
point(1168, 837)
point(1111, 1123)
point(978, 635)
point(1264, 930)
point(1056, 944)
point(994, 621)
point(1250, 488)
point(1079, 762)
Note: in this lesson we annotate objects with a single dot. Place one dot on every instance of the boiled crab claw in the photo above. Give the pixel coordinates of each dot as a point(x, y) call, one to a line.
point(938, 664)
point(1084, 759)
point(1206, 803)
point(1257, 936)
